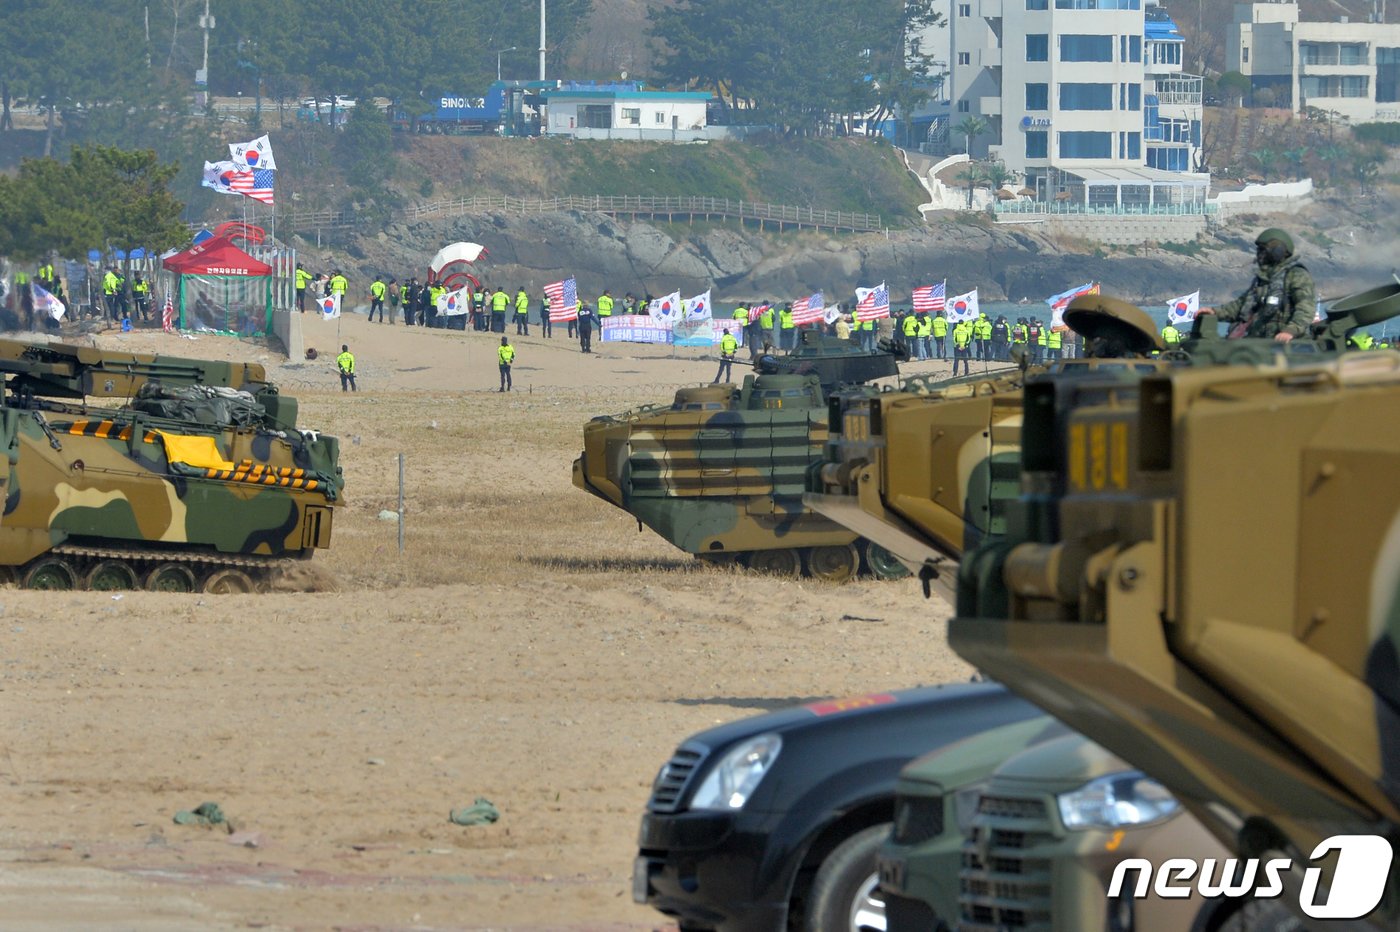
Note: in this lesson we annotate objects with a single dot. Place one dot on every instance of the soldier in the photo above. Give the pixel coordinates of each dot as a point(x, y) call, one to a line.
point(345, 362)
point(1281, 301)
point(505, 355)
point(728, 346)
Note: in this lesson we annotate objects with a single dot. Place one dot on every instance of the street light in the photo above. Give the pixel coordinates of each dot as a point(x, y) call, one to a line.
point(499, 53)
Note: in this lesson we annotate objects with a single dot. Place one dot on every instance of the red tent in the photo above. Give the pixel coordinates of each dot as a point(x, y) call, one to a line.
point(222, 289)
point(216, 256)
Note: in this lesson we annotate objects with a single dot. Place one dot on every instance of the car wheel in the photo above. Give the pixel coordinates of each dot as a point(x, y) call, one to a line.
point(844, 895)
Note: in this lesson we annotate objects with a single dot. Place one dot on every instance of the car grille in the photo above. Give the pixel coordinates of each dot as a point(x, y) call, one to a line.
point(917, 819)
point(670, 782)
point(1001, 887)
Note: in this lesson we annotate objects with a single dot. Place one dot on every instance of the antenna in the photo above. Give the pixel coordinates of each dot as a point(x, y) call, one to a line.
point(542, 46)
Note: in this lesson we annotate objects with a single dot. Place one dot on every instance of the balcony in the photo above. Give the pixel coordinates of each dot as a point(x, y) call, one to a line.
point(1180, 91)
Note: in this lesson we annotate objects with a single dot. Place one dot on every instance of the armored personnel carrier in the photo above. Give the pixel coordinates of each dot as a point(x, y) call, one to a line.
point(130, 470)
point(1205, 579)
point(925, 472)
point(720, 471)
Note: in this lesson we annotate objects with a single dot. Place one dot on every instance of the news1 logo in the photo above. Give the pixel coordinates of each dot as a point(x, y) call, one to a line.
point(1358, 882)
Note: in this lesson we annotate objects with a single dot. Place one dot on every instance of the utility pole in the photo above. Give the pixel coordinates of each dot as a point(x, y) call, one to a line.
point(201, 78)
point(541, 40)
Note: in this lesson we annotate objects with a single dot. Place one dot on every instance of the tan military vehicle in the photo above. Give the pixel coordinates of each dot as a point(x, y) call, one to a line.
point(1205, 578)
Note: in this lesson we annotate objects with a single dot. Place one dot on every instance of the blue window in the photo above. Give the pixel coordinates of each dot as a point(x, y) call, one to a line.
point(1130, 145)
point(1037, 97)
point(1038, 47)
point(1134, 48)
point(1086, 48)
point(1130, 97)
point(1098, 4)
point(1086, 145)
point(1037, 4)
point(1037, 144)
point(1086, 96)
point(1171, 160)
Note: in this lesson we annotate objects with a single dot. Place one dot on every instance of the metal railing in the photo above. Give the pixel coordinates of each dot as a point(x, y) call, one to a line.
point(672, 208)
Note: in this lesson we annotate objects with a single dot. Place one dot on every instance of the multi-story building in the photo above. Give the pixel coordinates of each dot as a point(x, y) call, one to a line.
point(1352, 69)
point(1083, 98)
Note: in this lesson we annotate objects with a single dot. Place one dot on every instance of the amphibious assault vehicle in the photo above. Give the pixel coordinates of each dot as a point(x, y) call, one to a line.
point(720, 471)
point(1205, 579)
point(925, 472)
point(130, 470)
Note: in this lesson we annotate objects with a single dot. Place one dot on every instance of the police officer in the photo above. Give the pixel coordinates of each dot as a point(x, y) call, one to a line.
point(1001, 339)
point(377, 291)
point(962, 346)
point(303, 279)
point(505, 355)
point(605, 304)
point(1170, 335)
point(522, 313)
point(141, 291)
point(338, 284)
point(728, 346)
point(345, 362)
point(924, 334)
point(787, 329)
point(1281, 301)
point(499, 302)
point(940, 334)
point(410, 301)
point(909, 330)
point(585, 328)
point(109, 293)
point(479, 308)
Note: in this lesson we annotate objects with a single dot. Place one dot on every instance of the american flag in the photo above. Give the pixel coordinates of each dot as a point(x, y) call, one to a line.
point(167, 315)
point(931, 298)
point(872, 303)
point(809, 310)
point(757, 310)
point(256, 184)
point(563, 301)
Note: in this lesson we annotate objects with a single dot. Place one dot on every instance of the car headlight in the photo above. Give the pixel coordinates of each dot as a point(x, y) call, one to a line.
point(1119, 800)
point(735, 776)
point(965, 803)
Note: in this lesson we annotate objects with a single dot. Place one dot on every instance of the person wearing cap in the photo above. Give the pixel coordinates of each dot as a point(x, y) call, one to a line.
point(505, 355)
point(1281, 301)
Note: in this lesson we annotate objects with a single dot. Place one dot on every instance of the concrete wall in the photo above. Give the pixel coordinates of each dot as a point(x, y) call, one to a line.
point(1279, 197)
point(1118, 230)
point(286, 327)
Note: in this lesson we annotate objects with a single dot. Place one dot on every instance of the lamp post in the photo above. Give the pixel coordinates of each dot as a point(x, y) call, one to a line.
point(499, 53)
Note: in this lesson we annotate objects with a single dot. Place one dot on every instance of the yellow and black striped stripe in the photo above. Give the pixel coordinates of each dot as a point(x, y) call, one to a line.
point(261, 474)
point(105, 430)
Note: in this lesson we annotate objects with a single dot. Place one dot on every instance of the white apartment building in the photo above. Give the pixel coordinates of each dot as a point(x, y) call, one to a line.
point(1352, 69)
point(1084, 98)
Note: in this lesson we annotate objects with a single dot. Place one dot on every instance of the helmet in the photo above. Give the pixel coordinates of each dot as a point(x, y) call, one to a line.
point(1272, 234)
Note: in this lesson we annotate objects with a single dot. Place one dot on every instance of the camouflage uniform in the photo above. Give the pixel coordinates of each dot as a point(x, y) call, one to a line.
point(1281, 299)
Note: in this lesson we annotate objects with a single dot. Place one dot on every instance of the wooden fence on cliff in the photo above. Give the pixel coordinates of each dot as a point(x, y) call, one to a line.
point(766, 216)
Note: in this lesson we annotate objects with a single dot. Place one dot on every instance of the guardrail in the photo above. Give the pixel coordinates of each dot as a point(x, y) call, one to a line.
point(672, 208)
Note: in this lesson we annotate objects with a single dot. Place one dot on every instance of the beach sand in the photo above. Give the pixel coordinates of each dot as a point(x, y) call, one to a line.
point(529, 646)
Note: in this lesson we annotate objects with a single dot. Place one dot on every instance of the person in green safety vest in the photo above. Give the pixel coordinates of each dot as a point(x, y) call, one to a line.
point(909, 329)
point(522, 313)
point(377, 291)
point(109, 293)
point(345, 363)
point(546, 325)
point(940, 334)
point(982, 335)
point(304, 279)
point(962, 346)
point(1054, 340)
point(728, 346)
point(605, 304)
point(1038, 342)
point(925, 335)
point(1361, 340)
point(505, 355)
point(787, 329)
point(766, 321)
point(1170, 335)
point(141, 292)
point(499, 302)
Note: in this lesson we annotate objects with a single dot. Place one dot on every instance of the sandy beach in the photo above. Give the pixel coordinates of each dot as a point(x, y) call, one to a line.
point(529, 646)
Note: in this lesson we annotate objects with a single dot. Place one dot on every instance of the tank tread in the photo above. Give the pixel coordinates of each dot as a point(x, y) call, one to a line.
point(169, 556)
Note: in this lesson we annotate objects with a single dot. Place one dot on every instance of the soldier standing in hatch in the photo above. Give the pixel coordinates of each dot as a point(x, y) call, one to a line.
point(1281, 302)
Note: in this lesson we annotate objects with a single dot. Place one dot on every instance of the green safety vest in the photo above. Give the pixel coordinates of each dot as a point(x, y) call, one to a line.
point(940, 327)
point(605, 306)
point(346, 362)
point(506, 354)
point(303, 279)
point(339, 284)
point(1170, 335)
point(1054, 340)
point(925, 327)
point(910, 325)
point(962, 335)
point(377, 290)
point(785, 319)
point(499, 300)
point(765, 320)
point(522, 303)
point(728, 345)
point(741, 313)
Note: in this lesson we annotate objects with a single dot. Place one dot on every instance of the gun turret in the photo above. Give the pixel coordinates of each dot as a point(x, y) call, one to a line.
point(835, 362)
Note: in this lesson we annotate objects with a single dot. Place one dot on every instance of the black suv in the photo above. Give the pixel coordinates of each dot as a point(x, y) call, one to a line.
point(772, 822)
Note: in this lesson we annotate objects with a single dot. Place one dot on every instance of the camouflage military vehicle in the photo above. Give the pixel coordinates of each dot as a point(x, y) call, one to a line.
point(721, 470)
point(1204, 579)
point(926, 472)
point(130, 470)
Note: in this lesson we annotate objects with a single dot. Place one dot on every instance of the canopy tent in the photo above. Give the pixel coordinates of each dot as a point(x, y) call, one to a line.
point(222, 289)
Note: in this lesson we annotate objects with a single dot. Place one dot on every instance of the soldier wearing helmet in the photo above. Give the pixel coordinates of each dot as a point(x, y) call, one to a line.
point(1281, 301)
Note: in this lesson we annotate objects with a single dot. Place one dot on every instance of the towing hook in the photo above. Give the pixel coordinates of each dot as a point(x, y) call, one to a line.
point(927, 574)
